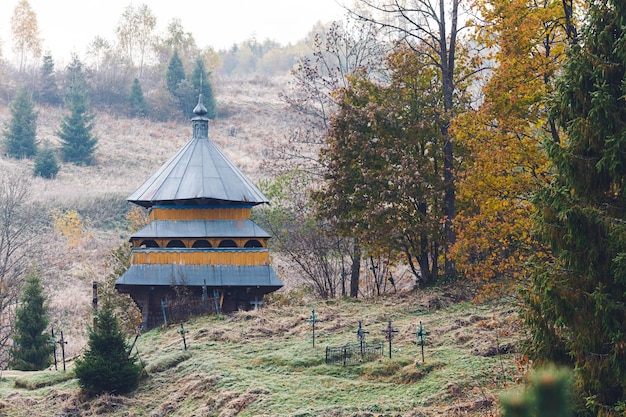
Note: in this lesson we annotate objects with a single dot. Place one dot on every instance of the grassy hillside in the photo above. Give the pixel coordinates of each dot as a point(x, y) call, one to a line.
point(251, 120)
point(262, 363)
point(251, 363)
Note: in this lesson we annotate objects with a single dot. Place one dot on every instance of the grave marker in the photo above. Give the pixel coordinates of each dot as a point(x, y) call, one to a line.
point(390, 332)
point(420, 334)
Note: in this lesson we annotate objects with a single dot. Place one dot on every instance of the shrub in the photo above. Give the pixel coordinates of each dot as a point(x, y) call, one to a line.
point(106, 365)
point(46, 164)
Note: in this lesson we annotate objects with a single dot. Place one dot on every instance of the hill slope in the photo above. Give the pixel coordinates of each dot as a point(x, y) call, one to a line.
point(262, 363)
point(128, 152)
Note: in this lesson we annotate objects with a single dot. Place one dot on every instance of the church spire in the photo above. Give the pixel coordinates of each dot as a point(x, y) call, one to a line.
point(200, 122)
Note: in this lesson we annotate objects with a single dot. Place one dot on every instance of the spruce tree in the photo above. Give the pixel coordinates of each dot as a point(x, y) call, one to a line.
point(179, 87)
point(106, 365)
point(21, 131)
point(46, 164)
point(202, 85)
point(575, 306)
point(49, 90)
point(31, 349)
point(78, 144)
point(175, 73)
point(136, 102)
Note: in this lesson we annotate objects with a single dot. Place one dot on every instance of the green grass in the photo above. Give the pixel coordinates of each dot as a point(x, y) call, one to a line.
point(263, 363)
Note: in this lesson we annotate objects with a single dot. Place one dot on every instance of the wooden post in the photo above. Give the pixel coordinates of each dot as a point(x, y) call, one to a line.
point(62, 342)
point(54, 343)
point(95, 306)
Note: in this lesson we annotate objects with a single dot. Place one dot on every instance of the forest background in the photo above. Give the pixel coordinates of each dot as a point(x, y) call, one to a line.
point(401, 148)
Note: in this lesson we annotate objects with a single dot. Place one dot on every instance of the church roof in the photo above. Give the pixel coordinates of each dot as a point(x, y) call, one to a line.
point(201, 228)
point(198, 174)
point(200, 275)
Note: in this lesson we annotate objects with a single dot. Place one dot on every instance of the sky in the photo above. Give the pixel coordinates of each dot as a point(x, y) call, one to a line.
point(68, 26)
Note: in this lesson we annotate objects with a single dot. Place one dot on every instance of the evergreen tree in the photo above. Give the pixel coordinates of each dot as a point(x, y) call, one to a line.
point(31, 349)
point(106, 365)
point(78, 144)
point(136, 102)
point(175, 73)
point(202, 85)
point(575, 305)
point(178, 86)
point(46, 164)
point(49, 90)
point(21, 131)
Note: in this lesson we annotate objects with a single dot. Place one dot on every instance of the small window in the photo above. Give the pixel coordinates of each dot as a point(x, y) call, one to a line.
point(148, 244)
point(202, 244)
point(253, 243)
point(176, 244)
point(228, 244)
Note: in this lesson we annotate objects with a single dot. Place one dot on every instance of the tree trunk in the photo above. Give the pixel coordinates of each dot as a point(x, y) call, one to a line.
point(355, 270)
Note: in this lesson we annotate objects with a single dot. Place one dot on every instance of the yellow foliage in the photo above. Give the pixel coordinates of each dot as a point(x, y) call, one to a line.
point(70, 224)
point(137, 218)
point(503, 138)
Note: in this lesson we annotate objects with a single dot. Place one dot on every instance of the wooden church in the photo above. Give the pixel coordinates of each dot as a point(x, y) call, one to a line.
point(200, 242)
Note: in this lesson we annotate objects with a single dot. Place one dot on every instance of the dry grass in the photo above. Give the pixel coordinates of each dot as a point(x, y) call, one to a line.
point(129, 151)
point(262, 363)
point(251, 363)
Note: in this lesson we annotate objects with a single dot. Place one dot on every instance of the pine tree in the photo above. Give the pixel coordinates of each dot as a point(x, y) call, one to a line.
point(136, 102)
point(202, 85)
point(106, 365)
point(21, 132)
point(49, 90)
point(78, 144)
point(46, 164)
point(179, 87)
point(575, 305)
point(175, 73)
point(31, 349)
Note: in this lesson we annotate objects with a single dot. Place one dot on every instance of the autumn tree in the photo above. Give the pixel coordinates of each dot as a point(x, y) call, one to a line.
point(25, 33)
point(110, 76)
point(384, 179)
point(176, 38)
point(17, 233)
point(20, 136)
point(503, 163)
point(431, 28)
point(303, 239)
point(338, 51)
point(135, 34)
point(575, 304)
point(78, 144)
point(31, 350)
point(117, 263)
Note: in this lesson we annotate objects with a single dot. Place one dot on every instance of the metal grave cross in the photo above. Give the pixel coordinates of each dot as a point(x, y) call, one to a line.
point(360, 335)
point(312, 321)
point(390, 332)
point(62, 342)
point(182, 332)
point(420, 334)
